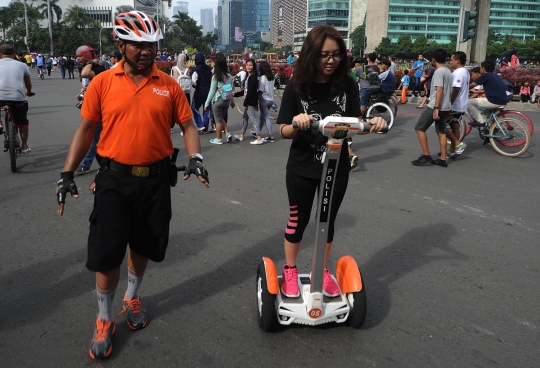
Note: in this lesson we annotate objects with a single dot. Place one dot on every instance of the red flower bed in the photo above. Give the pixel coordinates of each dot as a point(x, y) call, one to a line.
point(518, 76)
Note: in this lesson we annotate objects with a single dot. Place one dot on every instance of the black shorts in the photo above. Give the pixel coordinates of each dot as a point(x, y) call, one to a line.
point(426, 119)
point(20, 110)
point(128, 210)
point(301, 192)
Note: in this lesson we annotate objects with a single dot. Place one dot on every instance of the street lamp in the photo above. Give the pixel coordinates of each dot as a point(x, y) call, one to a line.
point(427, 19)
point(100, 53)
point(26, 23)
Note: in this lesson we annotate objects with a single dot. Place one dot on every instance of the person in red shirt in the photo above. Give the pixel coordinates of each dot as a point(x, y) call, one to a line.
point(132, 204)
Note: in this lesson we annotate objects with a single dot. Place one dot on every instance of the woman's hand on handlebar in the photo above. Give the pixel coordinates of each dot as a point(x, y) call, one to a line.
point(378, 124)
point(303, 121)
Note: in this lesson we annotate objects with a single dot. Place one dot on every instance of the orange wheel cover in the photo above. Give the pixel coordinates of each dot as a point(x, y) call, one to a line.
point(348, 275)
point(271, 276)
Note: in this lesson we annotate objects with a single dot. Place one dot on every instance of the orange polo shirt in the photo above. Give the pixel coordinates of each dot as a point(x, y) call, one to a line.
point(136, 120)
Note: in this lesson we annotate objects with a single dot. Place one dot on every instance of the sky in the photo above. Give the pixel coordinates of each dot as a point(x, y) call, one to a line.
point(194, 8)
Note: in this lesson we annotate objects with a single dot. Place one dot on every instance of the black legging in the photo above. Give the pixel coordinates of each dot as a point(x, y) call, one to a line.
point(301, 191)
point(49, 70)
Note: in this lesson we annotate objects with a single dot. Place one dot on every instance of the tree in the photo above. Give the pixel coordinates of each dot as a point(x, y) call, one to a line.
point(404, 46)
point(55, 10)
point(191, 33)
point(357, 37)
point(123, 9)
point(76, 17)
point(420, 45)
point(386, 47)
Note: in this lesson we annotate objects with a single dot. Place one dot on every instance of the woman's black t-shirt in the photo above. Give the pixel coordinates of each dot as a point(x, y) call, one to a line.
point(307, 146)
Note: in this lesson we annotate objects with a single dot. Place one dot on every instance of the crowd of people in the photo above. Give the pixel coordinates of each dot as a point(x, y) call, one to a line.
point(132, 203)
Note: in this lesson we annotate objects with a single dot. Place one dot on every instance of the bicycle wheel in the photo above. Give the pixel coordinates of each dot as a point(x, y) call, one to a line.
point(509, 126)
point(380, 109)
point(274, 110)
point(519, 116)
point(392, 102)
point(12, 145)
point(239, 102)
point(510, 143)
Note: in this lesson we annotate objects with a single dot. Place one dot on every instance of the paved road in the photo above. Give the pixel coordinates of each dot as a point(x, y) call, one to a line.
point(450, 257)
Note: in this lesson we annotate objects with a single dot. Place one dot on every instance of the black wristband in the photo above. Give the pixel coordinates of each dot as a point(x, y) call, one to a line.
point(67, 175)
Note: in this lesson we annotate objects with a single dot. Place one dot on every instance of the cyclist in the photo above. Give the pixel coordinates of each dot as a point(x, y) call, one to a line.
point(369, 81)
point(132, 203)
point(40, 62)
point(494, 89)
point(15, 85)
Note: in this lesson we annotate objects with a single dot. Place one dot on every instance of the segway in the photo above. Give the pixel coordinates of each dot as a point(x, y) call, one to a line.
point(312, 307)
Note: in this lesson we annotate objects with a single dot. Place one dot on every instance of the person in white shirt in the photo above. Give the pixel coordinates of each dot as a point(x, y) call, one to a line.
point(266, 99)
point(460, 100)
point(242, 74)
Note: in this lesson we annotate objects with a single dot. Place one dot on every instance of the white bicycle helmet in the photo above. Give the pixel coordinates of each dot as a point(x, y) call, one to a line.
point(136, 26)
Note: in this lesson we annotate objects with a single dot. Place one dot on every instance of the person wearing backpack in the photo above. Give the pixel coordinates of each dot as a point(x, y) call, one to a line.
point(62, 63)
point(182, 75)
point(201, 77)
point(368, 76)
point(220, 96)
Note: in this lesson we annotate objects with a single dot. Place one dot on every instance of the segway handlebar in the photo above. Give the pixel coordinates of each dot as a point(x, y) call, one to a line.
point(330, 125)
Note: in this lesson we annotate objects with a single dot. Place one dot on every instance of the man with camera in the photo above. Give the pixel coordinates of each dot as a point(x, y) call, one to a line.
point(90, 68)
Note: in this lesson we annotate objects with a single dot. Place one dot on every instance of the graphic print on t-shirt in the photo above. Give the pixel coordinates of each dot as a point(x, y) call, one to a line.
point(340, 102)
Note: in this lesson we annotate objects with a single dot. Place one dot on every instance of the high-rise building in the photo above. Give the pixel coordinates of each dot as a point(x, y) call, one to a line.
point(180, 6)
point(439, 19)
point(255, 15)
point(207, 20)
point(288, 16)
point(335, 13)
point(231, 24)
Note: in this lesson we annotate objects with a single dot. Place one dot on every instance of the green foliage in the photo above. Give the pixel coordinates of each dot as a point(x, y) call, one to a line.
point(357, 38)
point(386, 47)
point(498, 44)
point(404, 45)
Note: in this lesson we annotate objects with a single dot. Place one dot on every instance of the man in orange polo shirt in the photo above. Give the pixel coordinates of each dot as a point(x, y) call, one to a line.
point(132, 205)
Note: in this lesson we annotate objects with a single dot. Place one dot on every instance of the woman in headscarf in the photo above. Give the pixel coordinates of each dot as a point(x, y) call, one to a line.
point(200, 79)
point(181, 68)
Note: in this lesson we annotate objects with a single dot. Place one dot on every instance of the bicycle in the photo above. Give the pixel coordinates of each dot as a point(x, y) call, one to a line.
point(41, 72)
point(465, 128)
point(379, 106)
point(12, 143)
point(508, 137)
point(273, 111)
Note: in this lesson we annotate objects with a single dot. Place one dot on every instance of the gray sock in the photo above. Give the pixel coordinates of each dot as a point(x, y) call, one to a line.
point(105, 301)
point(134, 282)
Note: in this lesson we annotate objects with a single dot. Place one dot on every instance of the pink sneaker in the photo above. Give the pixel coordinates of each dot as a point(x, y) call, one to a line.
point(289, 284)
point(330, 287)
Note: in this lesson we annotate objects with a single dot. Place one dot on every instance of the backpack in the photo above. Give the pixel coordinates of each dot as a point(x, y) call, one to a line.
point(237, 82)
point(226, 90)
point(371, 75)
point(62, 62)
point(183, 80)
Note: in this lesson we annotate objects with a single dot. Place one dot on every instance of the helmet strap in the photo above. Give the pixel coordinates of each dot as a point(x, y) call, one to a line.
point(135, 66)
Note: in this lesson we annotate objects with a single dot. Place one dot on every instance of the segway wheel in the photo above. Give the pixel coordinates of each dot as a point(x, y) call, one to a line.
point(266, 302)
point(358, 303)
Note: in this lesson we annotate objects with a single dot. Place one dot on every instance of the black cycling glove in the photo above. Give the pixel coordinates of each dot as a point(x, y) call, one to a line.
point(195, 167)
point(65, 185)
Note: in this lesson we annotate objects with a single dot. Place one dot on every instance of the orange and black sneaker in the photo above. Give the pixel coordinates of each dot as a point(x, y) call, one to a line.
point(101, 344)
point(136, 313)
